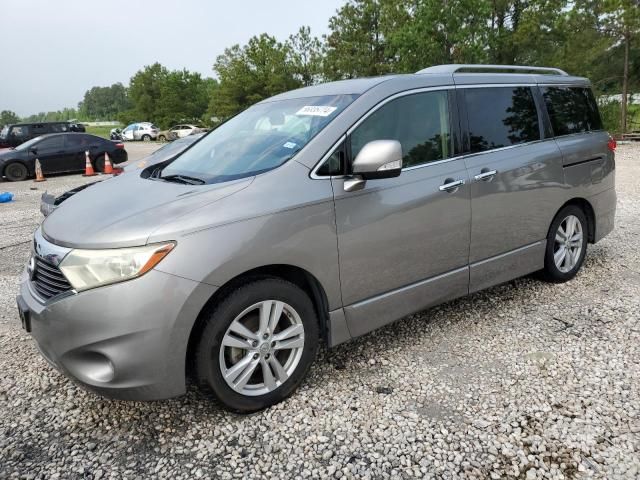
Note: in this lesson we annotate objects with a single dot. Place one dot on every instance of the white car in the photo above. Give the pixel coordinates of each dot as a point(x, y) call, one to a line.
point(145, 131)
point(179, 131)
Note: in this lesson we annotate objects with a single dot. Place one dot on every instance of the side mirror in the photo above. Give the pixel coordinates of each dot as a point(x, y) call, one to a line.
point(34, 150)
point(377, 159)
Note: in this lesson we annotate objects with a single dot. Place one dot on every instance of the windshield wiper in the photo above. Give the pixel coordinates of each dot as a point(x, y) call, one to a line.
point(186, 179)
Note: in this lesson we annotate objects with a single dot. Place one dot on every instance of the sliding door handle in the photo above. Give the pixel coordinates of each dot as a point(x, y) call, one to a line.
point(451, 185)
point(486, 174)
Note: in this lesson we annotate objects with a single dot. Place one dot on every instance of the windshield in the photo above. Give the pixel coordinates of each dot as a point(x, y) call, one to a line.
point(174, 147)
point(28, 143)
point(4, 132)
point(261, 138)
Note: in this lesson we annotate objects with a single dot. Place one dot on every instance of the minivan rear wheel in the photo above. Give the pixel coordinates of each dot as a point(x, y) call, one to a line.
point(566, 245)
point(16, 172)
point(257, 344)
point(146, 138)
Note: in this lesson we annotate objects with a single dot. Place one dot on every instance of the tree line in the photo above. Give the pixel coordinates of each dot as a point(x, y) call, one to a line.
point(594, 38)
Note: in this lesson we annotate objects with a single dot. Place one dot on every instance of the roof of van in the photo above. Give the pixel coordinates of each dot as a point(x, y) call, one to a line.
point(458, 75)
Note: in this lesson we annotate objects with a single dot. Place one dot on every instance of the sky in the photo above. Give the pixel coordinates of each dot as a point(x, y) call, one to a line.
point(54, 50)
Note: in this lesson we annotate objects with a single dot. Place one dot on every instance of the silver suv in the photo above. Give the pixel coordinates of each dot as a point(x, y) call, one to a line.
point(145, 131)
point(313, 217)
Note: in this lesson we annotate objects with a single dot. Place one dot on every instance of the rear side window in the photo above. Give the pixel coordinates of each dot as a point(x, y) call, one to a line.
point(59, 127)
point(501, 117)
point(39, 129)
point(19, 131)
point(51, 143)
point(571, 110)
point(420, 122)
point(77, 140)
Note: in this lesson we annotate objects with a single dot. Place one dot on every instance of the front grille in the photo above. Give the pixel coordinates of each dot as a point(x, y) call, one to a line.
point(48, 280)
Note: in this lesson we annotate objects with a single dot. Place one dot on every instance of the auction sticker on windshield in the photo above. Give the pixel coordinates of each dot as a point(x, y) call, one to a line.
point(316, 110)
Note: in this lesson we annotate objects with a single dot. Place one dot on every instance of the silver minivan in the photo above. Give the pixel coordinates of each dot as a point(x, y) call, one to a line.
point(316, 216)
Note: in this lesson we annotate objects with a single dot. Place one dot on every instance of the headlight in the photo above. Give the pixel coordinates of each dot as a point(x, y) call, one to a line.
point(93, 268)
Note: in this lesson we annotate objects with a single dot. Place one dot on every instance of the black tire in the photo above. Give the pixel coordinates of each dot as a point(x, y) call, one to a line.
point(551, 271)
point(98, 164)
point(16, 172)
point(162, 138)
point(219, 318)
point(146, 138)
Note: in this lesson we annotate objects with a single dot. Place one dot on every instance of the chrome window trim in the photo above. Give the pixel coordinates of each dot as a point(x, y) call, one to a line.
point(404, 93)
point(370, 112)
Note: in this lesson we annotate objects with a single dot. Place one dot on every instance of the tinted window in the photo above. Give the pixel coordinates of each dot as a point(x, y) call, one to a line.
point(500, 117)
point(51, 143)
point(39, 129)
point(59, 127)
point(571, 110)
point(19, 131)
point(78, 140)
point(420, 122)
point(334, 165)
point(595, 122)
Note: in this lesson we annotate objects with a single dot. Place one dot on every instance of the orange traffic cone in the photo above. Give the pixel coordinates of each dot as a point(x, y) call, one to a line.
point(108, 168)
point(88, 167)
point(39, 175)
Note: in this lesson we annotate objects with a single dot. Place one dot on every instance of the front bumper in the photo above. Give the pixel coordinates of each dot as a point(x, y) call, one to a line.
point(127, 340)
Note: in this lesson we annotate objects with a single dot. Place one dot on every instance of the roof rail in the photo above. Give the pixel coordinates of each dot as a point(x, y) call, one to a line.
point(455, 68)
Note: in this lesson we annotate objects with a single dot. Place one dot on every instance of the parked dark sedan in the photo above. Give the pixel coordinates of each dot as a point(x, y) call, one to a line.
point(58, 153)
point(49, 202)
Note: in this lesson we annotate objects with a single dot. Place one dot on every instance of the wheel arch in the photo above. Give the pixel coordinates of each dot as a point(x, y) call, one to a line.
point(296, 275)
point(589, 212)
point(29, 165)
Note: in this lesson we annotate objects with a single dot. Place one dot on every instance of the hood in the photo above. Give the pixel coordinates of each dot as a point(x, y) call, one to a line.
point(123, 211)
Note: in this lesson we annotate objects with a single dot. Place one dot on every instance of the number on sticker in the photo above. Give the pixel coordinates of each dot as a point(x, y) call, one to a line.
point(316, 110)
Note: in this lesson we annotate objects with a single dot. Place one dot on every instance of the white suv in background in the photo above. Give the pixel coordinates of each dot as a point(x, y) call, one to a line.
point(141, 131)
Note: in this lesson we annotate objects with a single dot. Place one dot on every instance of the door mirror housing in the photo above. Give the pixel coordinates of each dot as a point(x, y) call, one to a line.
point(379, 159)
point(34, 150)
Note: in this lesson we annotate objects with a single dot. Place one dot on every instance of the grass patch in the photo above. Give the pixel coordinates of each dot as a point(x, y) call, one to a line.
point(101, 131)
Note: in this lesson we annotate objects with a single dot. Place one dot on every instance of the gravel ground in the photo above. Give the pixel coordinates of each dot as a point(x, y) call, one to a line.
point(525, 380)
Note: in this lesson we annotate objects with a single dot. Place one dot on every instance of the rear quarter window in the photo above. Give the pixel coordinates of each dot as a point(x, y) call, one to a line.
point(571, 110)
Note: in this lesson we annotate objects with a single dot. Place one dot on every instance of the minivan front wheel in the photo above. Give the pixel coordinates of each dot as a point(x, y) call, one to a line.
point(257, 344)
point(566, 244)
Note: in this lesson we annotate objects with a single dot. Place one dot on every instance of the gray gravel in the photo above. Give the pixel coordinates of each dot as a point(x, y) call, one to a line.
point(526, 380)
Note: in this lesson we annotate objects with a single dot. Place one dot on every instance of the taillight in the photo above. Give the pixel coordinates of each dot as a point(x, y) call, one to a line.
point(120, 146)
point(612, 144)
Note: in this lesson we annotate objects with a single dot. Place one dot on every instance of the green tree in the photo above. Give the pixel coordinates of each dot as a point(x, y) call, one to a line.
point(432, 32)
point(184, 98)
point(306, 56)
point(262, 68)
point(356, 46)
point(145, 89)
point(7, 117)
point(622, 23)
point(104, 103)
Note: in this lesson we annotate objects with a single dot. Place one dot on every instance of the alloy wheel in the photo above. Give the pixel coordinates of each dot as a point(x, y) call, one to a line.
point(262, 348)
point(568, 244)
